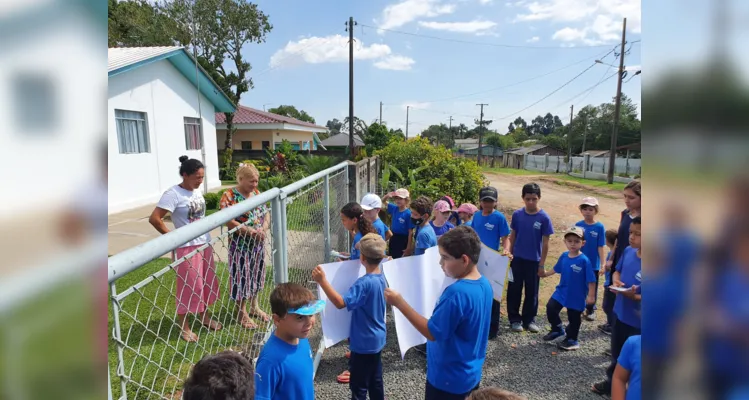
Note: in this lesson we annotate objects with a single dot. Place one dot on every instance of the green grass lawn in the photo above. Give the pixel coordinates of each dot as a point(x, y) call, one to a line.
point(617, 186)
point(155, 356)
point(511, 171)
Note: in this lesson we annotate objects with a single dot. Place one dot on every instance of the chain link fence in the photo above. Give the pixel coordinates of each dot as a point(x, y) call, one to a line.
point(170, 305)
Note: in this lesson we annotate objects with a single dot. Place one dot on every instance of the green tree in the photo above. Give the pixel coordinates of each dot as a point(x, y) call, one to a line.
point(223, 28)
point(519, 122)
point(536, 127)
point(495, 141)
point(519, 135)
point(334, 126)
point(397, 133)
point(360, 127)
point(137, 23)
point(377, 138)
point(292, 112)
point(438, 135)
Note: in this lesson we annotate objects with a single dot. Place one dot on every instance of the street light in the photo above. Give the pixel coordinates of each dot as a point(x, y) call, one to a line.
point(601, 62)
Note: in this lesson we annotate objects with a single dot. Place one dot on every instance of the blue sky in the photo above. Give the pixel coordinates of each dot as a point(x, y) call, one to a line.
point(305, 59)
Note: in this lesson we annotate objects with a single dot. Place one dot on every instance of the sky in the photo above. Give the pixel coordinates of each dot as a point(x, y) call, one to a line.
point(516, 56)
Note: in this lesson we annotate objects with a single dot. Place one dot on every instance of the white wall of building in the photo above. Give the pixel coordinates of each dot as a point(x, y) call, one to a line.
point(166, 96)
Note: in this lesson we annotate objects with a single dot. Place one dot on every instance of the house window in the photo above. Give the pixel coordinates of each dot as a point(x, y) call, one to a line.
point(132, 132)
point(192, 133)
point(266, 144)
point(246, 145)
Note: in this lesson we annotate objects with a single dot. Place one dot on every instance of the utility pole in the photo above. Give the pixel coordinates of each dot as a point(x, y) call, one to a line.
point(380, 113)
point(617, 108)
point(569, 135)
point(350, 28)
point(450, 129)
point(481, 131)
point(585, 133)
point(407, 108)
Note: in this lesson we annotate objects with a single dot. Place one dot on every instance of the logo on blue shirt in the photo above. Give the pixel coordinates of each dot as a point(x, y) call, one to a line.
point(638, 276)
point(488, 226)
point(575, 268)
point(537, 225)
point(402, 220)
point(594, 234)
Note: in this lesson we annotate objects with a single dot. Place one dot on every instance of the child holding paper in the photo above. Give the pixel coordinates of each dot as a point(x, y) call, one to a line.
point(577, 281)
point(595, 241)
point(366, 301)
point(372, 204)
point(458, 329)
point(625, 284)
point(493, 230)
point(284, 369)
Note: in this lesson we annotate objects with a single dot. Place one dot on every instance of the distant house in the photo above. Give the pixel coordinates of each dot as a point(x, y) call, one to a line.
point(259, 130)
point(341, 141)
point(515, 158)
point(486, 151)
point(155, 113)
point(463, 144)
point(597, 153)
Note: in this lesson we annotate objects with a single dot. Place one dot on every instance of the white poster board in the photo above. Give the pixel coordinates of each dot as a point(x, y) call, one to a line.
point(493, 266)
point(336, 324)
point(421, 281)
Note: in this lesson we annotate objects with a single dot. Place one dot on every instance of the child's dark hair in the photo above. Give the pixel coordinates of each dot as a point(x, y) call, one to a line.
point(422, 205)
point(353, 210)
point(531, 188)
point(492, 393)
point(637, 220)
point(611, 236)
point(459, 241)
point(635, 187)
point(588, 205)
point(288, 296)
point(223, 376)
point(189, 166)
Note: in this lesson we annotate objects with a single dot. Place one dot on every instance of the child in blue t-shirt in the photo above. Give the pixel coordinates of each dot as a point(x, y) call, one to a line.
point(595, 240)
point(439, 223)
point(366, 301)
point(371, 204)
point(529, 245)
point(465, 213)
point(459, 326)
point(627, 381)
point(424, 236)
point(400, 224)
point(352, 218)
point(576, 289)
point(284, 369)
point(611, 236)
point(493, 230)
point(626, 282)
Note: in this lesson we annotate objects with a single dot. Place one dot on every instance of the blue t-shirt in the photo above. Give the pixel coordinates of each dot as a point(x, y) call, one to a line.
point(456, 217)
point(629, 359)
point(366, 301)
point(468, 223)
point(355, 254)
point(727, 355)
point(441, 230)
point(629, 267)
point(460, 327)
point(595, 237)
point(607, 280)
point(401, 223)
point(380, 227)
point(490, 228)
point(425, 238)
point(576, 273)
point(284, 371)
point(529, 232)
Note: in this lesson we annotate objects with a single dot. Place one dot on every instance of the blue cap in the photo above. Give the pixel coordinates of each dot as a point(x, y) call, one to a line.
point(313, 308)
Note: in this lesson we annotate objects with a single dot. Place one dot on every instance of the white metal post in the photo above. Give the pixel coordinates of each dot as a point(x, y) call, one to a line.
point(118, 339)
point(278, 232)
point(326, 217)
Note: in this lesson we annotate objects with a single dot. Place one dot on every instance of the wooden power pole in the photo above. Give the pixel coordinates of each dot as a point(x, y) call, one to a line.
point(617, 108)
point(350, 28)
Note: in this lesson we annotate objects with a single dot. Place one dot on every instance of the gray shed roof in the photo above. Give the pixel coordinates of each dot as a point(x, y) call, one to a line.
point(341, 140)
point(528, 149)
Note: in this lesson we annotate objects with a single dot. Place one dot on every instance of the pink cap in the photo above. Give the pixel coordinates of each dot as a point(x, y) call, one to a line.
point(441, 206)
point(449, 201)
point(589, 201)
point(402, 193)
point(467, 208)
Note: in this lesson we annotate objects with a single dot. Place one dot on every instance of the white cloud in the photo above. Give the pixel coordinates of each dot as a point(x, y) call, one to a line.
point(317, 50)
point(396, 63)
point(595, 21)
point(474, 26)
point(415, 105)
point(533, 39)
point(399, 14)
point(485, 2)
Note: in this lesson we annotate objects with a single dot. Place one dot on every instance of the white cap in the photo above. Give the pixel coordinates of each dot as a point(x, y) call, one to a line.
point(370, 201)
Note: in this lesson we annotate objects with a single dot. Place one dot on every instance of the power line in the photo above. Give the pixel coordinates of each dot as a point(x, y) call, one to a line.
point(481, 43)
point(550, 94)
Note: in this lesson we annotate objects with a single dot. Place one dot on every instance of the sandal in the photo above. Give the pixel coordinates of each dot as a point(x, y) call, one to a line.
point(344, 377)
point(189, 336)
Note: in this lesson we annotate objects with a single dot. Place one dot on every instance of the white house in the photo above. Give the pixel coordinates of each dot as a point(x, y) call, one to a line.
point(153, 118)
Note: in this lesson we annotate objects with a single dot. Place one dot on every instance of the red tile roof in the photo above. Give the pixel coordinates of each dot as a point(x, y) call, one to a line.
point(247, 115)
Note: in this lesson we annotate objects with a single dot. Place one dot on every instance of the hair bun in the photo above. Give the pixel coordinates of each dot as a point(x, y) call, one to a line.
point(183, 158)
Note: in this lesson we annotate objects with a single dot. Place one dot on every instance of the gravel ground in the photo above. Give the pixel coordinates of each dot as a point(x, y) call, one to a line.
point(520, 362)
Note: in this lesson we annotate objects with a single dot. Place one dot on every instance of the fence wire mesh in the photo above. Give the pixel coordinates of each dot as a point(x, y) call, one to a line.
point(213, 295)
point(207, 298)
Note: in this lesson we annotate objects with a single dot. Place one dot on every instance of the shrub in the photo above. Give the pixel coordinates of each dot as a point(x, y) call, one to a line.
point(313, 164)
point(434, 170)
point(211, 200)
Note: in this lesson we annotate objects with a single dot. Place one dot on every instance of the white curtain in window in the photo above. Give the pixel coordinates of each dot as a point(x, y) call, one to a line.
point(192, 133)
point(132, 132)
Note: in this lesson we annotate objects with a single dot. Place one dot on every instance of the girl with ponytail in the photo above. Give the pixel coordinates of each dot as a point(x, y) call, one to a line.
point(352, 218)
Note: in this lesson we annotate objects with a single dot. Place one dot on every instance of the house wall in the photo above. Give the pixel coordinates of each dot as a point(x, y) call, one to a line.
point(166, 97)
point(257, 136)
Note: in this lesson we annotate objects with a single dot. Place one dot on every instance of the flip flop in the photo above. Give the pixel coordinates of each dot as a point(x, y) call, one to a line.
point(344, 377)
point(189, 337)
point(348, 354)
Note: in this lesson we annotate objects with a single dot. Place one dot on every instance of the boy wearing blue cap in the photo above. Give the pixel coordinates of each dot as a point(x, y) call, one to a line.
point(366, 301)
point(284, 369)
